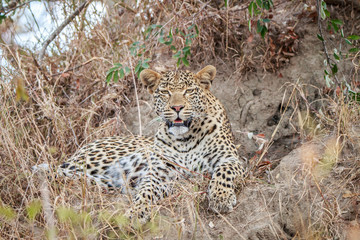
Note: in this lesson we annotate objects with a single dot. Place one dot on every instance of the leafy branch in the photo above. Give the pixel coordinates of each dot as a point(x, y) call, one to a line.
point(256, 8)
point(334, 25)
point(138, 50)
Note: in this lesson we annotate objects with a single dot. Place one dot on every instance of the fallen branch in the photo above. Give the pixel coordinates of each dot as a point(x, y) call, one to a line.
point(60, 28)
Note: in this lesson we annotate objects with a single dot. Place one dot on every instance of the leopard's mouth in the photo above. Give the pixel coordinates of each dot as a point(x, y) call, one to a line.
point(179, 123)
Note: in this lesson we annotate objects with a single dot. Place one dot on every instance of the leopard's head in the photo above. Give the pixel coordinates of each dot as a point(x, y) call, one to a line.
point(179, 96)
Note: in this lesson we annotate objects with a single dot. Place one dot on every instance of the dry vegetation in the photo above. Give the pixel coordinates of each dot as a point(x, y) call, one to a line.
point(51, 106)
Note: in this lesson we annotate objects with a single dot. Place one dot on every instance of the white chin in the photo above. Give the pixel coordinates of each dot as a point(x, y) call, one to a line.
point(178, 130)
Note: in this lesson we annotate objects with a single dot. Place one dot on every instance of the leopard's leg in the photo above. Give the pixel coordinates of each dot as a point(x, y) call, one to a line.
point(225, 179)
point(150, 190)
point(156, 184)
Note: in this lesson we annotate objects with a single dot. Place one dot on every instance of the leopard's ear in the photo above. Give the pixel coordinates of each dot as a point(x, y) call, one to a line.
point(150, 79)
point(205, 76)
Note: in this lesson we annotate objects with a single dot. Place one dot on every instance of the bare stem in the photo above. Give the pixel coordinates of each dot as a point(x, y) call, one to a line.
point(136, 95)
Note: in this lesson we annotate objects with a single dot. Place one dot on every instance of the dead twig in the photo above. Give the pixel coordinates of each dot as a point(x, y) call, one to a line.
point(13, 5)
point(76, 67)
point(40, 68)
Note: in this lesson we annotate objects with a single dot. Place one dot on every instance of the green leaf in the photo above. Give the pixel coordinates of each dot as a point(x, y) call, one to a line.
point(320, 37)
point(251, 9)
point(266, 20)
point(178, 62)
point(173, 48)
point(258, 26)
point(2, 17)
point(337, 22)
point(138, 74)
point(122, 74)
point(323, 15)
point(249, 23)
point(342, 32)
point(226, 3)
point(354, 50)
point(336, 28)
point(186, 49)
point(133, 51)
point(161, 40)
point(127, 69)
point(145, 65)
point(327, 13)
point(112, 69)
point(353, 37)
point(137, 67)
point(116, 76)
point(336, 56)
point(334, 69)
point(267, 4)
point(118, 65)
point(348, 41)
point(169, 42)
point(155, 26)
point(193, 25)
point(177, 55)
point(185, 61)
point(192, 36)
point(196, 30)
point(109, 76)
point(259, 3)
point(263, 32)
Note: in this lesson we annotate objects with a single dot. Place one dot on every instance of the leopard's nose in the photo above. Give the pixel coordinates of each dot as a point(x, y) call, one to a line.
point(177, 108)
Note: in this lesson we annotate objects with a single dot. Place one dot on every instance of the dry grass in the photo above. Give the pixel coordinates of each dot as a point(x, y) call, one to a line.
point(47, 112)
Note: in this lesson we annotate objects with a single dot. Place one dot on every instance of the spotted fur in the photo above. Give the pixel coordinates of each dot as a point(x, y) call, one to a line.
point(194, 135)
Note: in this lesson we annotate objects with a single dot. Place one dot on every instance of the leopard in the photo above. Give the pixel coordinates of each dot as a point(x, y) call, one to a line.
point(194, 137)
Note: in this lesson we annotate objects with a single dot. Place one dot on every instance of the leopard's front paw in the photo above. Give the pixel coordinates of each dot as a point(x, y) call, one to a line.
point(222, 199)
point(139, 213)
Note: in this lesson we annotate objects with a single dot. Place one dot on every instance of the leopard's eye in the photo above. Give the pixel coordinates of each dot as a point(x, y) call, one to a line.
point(190, 90)
point(164, 92)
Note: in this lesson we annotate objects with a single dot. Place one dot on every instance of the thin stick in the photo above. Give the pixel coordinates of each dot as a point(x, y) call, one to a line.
point(276, 128)
point(61, 27)
point(136, 95)
point(76, 67)
point(227, 221)
point(13, 5)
